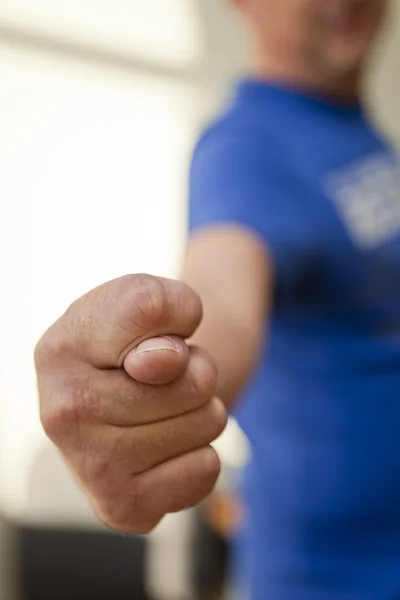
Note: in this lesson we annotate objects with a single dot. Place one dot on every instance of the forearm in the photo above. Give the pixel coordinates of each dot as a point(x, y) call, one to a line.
point(230, 270)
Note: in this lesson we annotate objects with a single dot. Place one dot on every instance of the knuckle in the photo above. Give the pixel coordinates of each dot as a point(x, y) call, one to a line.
point(49, 422)
point(56, 418)
point(76, 329)
point(148, 296)
point(122, 512)
point(128, 527)
point(64, 411)
point(40, 353)
point(47, 348)
point(54, 347)
point(110, 517)
point(106, 501)
point(146, 527)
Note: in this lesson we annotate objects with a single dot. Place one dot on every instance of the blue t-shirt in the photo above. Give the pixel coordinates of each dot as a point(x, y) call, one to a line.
point(322, 188)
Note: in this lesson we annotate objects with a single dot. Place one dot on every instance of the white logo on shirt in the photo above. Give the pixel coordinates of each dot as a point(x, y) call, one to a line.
point(367, 195)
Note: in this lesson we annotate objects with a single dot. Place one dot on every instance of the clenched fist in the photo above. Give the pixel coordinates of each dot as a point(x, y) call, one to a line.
point(130, 406)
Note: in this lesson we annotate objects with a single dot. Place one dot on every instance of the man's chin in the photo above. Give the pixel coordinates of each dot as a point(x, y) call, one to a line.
point(345, 68)
point(351, 58)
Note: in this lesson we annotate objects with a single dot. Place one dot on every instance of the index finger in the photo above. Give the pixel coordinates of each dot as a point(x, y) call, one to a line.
point(102, 327)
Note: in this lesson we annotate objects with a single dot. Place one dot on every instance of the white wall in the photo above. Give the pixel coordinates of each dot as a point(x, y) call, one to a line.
point(92, 186)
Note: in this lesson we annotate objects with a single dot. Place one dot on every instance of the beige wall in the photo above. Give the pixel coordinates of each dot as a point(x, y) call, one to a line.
point(384, 84)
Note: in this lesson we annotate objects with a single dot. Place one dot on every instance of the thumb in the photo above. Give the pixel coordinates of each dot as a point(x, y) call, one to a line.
point(158, 361)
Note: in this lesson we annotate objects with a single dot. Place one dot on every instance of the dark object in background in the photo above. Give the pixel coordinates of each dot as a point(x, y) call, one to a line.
point(209, 561)
point(80, 565)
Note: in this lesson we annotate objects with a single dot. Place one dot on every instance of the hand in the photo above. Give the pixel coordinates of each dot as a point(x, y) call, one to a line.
point(130, 406)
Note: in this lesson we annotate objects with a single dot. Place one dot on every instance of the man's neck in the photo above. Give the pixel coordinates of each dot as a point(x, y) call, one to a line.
point(342, 90)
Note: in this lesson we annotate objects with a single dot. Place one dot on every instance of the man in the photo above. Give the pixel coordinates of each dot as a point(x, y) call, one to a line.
point(295, 254)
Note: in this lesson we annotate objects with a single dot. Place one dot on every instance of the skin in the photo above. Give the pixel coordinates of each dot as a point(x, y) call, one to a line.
point(129, 405)
point(310, 44)
point(127, 382)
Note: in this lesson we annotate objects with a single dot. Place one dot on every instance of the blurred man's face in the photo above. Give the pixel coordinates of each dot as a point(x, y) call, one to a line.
point(329, 37)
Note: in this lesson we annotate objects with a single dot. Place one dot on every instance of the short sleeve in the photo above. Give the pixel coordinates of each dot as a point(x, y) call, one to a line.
point(238, 178)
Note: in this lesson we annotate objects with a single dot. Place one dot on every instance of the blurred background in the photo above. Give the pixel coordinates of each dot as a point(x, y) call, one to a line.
point(100, 106)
